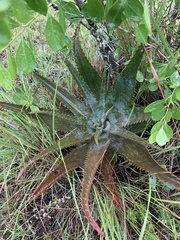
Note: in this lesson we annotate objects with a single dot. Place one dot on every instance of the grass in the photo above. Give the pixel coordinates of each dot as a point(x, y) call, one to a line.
point(151, 209)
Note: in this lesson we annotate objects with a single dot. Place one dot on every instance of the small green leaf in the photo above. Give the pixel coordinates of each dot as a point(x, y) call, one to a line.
point(11, 65)
point(139, 76)
point(25, 59)
point(133, 10)
point(54, 34)
point(154, 131)
point(5, 33)
point(115, 16)
point(175, 79)
point(4, 5)
point(176, 94)
point(93, 10)
point(34, 108)
point(157, 110)
point(71, 11)
point(175, 112)
point(164, 134)
point(21, 11)
point(141, 33)
point(5, 78)
point(39, 6)
point(168, 116)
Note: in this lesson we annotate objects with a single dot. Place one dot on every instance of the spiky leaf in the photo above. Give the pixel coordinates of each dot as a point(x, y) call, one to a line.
point(88, 73)
point(71, 102)
point(73, 160)
point(94, 157)
point(122, 91)
point(139, 156)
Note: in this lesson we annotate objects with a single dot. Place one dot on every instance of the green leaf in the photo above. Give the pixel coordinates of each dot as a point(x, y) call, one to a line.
point(62, 20)
point(71, 102)
point(39, 6)
point(54, 34)
point(176, 94)
point(114, 16)
point(71, 11)
point(25, 59)
point(5, 33)
point(90, 76)
point(157, 109)
point(133, 10)
point(175, 79)
point(154, 130)
point(89, 98)
point(21, 11)
point(164, 134)
point(141, 33)
point(175, 112)
point(11, 65)
point(12, 23)
point(4, 5)
point(93, 10)
point(146, 17)
point(139, 76)
point(19, 97)
point(121, 93)
point(5, 78)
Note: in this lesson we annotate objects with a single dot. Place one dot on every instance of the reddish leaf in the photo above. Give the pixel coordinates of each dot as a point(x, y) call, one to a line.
point(73, 160)
point(94, 157)
point(139, 156)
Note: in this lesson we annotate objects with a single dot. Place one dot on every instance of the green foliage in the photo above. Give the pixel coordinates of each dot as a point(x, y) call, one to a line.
point(162, 111)
point(105, 123)
point(25, 59)
point(54, 34)
point(101, 125)
point(5, 78)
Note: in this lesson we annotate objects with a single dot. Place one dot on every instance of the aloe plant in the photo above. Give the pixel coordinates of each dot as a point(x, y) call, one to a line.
point(101, 125)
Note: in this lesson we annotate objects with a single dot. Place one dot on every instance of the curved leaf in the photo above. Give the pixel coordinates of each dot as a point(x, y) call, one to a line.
point(21, 11)
point(73, 160)
point(94, 157)
point(107, 173)
point(139, 156)
point(93, 10)
point(68, 140)
point(114, 16)
point(71, 102)
point(39, 6)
